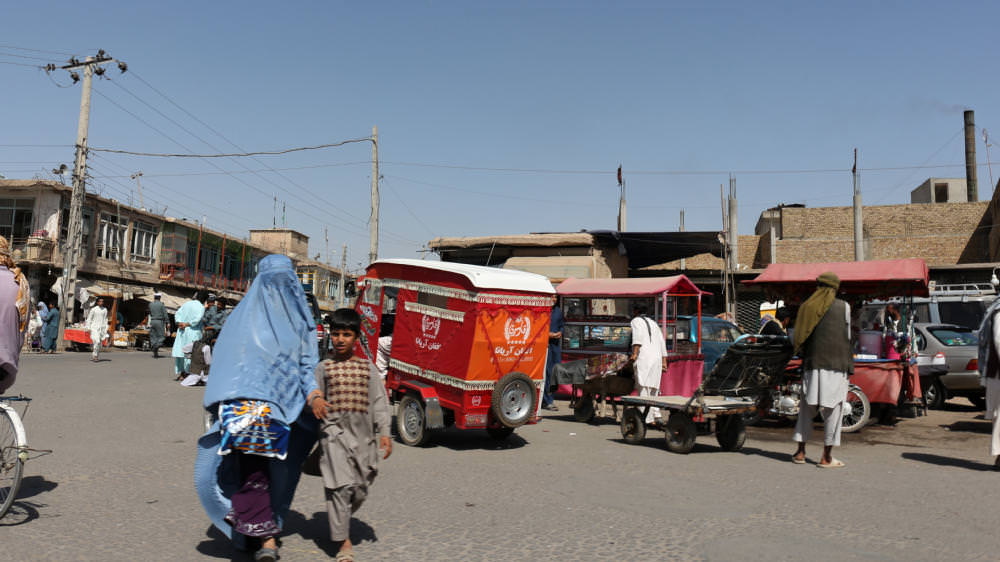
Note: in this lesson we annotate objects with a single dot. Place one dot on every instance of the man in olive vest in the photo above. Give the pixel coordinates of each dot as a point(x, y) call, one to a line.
point(157, 323)
point(823, 340)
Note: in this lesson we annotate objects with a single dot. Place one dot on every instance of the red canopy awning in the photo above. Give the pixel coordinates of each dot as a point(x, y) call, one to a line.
point(882, 278)
point(678, 285)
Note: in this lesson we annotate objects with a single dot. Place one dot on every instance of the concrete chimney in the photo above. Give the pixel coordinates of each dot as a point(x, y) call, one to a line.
point(971, 185)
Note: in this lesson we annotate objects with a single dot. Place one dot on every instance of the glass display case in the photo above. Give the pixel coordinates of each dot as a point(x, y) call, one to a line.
point(601, 324)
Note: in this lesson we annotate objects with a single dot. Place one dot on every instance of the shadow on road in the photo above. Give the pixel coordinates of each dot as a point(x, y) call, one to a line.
point(948, 461)
point(973, 426)
point(20, 512)
point(315, 529)
point(34, 485)
point(473, 439)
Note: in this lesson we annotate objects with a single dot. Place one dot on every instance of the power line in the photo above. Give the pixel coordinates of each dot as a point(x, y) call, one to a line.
point(35, 50)
point(253, 187)
point(233, 155)
point(407, 208)
point(358, 220)
point(256, 171)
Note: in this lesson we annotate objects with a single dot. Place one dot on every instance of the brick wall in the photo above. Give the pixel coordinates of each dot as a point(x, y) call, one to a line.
point(941, 234)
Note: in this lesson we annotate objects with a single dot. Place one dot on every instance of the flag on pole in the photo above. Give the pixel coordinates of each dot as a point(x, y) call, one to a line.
point(619, 175)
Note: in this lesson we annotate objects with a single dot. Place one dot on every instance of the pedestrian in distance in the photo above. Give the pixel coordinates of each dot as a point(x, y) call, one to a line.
point(823, 340)
point(15, 304)
point(157, 322)
point(649, 357)
point(189, 321)
point(214, 317)
point(201, 358)
point(50, 329)
point(779, 325)
point(263, 370)
point(556, 324)
point(989, 367)
point(353, 410)
point(97, 325)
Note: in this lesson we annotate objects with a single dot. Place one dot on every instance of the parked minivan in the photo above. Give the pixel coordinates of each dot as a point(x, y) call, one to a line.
point(961, 305)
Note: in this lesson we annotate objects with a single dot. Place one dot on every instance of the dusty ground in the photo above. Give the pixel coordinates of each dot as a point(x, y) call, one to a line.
point(118, 486)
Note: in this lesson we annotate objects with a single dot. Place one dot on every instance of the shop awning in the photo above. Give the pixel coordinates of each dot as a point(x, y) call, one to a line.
point(629, 287)
point(652, 248)
point(871, 278)
point(171, 299)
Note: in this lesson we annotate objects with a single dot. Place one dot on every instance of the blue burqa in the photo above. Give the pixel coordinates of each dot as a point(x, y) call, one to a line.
point(267, 350)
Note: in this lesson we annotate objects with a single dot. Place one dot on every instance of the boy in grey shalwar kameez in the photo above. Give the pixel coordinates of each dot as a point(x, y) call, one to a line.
point(354, 426)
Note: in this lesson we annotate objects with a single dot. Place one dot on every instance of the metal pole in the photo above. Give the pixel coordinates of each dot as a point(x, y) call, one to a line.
point(138, 184)
point(74, 231)
point(859, 235)
point(343, 277)
point(683, 261)
point(373, 226)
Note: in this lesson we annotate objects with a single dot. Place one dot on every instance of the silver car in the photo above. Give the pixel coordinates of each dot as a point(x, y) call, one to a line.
point(960, 376)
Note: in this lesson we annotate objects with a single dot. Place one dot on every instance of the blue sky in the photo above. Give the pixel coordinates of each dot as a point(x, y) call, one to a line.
point(565, 90)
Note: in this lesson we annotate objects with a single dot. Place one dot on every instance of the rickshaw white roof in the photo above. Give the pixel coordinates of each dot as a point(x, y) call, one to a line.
point(484, 277)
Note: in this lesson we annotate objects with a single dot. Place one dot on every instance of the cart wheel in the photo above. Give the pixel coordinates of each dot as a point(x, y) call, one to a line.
point(857, 410)
point(584, 409)
point(500, 433)
point(730, 432)
point(410, 422)
point(681, 432)
point(633, 426)
point(515, 399)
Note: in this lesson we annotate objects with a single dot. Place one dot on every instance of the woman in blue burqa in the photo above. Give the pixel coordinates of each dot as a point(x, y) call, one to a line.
point(249, 462)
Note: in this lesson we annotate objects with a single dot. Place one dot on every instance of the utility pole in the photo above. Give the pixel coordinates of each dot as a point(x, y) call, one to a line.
point(683, 261)
point(373, 224)
point(859, 235)
point(343, 277)
point(138, 185)
point(621, 200)
point(74, 230)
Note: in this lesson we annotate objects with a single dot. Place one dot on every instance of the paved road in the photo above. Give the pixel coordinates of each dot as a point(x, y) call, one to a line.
point(118, 486)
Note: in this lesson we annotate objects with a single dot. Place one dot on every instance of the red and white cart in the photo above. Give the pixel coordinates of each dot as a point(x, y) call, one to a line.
point(468, 343)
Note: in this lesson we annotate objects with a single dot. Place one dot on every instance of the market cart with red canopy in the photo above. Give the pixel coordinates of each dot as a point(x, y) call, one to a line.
point(884, 381)
point(597, 313)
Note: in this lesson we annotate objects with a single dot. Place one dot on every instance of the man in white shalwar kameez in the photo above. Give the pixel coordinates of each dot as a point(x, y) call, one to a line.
point(97, 325)
point(649, 355)
point(989, 369)
point(823, 340)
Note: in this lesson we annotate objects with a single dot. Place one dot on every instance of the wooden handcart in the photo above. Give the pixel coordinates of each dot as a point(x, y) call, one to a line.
point(722, 415)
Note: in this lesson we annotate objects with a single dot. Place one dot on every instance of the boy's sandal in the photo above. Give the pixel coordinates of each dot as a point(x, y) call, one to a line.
point(834, 463)
point(266, 555)
point(345, 557)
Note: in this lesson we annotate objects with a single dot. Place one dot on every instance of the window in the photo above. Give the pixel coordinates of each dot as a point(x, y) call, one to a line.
point(307, 277)
point(209, 259)
point(969, 314)
point(143, 242)
point(954, 336)
point(15, 218)
point(940, 193)
point(88, 220)
point(111, 236)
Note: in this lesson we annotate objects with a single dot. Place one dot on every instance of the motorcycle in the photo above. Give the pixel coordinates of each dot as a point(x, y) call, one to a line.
point(782, 402)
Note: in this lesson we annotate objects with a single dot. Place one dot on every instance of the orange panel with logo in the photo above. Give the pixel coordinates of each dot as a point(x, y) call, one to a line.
point(509, 339)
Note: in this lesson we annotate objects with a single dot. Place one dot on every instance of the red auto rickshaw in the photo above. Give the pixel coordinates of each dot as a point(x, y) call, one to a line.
point(468, 343)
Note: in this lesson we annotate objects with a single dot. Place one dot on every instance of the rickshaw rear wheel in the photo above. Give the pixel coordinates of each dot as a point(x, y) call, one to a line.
point(411, 424)
point(514, 400)
point(633, 426)
point(584, 409)
point(730, 432)
point(681, 433)
point(500, 433)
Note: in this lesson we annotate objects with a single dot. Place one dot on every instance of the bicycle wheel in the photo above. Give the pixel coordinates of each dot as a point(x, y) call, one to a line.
point(12, 441)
